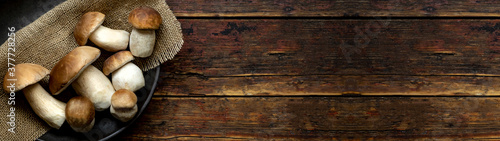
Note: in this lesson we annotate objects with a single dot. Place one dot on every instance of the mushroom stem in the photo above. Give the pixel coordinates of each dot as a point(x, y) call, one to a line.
point(45, 106)
point(129, 77)
point(110, 39)
point(123, 115)
point(95, 86)
point(142, 42)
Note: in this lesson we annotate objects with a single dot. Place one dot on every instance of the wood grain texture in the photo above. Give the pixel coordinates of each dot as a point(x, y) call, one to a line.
point(334, 8)
point(323, 47)
point(194, 85)
point(251, 65)
point(333, 57)
point(306, 118)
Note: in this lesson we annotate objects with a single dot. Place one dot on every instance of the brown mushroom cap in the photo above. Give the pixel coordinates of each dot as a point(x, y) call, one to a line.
point(24, 75)
point(116, 61)
point(70, 67)
point(87, 24)
point(123, 99)
point(145, 18)
point(80, 112)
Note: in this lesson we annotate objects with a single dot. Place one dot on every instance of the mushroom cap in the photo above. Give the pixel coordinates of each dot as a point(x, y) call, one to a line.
point(116, 61)
point(80, 112)
point(70, 67)
point(87, 24)
point(145, 17)
point(24, 75)
point(123, 99)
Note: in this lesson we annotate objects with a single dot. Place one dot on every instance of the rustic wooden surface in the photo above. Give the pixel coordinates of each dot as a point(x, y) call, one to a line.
point(334, 8)
point(306, 57)
point(343, 118)
point(311, 70)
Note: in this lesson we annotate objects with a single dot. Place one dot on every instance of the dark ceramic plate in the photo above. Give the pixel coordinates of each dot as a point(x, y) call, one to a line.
point(106, 126)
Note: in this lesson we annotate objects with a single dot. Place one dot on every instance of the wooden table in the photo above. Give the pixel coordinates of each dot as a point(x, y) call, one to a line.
point(347, 70)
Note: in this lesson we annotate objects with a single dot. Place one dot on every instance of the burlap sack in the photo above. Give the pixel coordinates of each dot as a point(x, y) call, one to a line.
point(50, 37)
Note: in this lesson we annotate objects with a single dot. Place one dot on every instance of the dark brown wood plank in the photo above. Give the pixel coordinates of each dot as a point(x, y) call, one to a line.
point(330, 8)
point(352, 118)
point(195, 85)
point(230, 47)
point(306, 57)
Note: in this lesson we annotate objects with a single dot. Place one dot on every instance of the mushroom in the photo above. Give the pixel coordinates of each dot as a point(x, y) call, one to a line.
point(88, 81)
point(93, 85)
point(142, 38)
point(123, 105)
point(89, 26)
point(80, 114)
point(126, 75)
point(45, 106)
point(70, 67)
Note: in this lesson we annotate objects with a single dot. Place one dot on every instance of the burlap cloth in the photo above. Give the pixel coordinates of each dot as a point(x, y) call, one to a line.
point(50, 37)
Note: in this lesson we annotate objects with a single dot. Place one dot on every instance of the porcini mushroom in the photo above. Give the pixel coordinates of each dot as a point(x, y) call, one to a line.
point(93, 85)
point(142, 38)
point(80, 114)
point(75, 69)
point(70, 66)
point(126, 75)
point(45, 106)
point(89, 26)
point(123, 105)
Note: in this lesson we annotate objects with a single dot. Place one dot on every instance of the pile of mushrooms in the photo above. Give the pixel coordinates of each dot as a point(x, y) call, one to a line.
point(96, 91)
